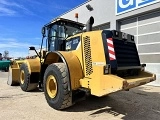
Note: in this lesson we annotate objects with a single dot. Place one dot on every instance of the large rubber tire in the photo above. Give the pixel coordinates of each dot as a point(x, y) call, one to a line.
point(26, 83)
point(56, 86)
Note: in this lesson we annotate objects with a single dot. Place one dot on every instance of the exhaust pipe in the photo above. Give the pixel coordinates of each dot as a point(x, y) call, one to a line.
point(89, 24)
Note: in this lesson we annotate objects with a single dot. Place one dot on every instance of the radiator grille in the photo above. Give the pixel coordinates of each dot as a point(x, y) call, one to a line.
point(126, 53)
point(87, 54)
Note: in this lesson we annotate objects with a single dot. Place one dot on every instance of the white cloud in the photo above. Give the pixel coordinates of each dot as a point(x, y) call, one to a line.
point(6, 12)
point(18, 54)
point(15, 48)
point(12, 43)
point(16, 45)
point(52, 5)
point(7, 40)
point(8, 8)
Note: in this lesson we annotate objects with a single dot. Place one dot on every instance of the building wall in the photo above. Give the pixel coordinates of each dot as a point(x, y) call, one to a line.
point(143, 22)
point(146, 29)
point(103, 12)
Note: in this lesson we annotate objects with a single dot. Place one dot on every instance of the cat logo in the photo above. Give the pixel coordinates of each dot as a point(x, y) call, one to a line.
point(68, 45)
point(123, 6)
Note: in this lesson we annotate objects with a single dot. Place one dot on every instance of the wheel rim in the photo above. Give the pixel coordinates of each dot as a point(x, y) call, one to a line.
point(51, 86)
point(22, 77)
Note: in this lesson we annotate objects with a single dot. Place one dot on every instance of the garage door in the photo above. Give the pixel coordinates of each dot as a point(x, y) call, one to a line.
point(146, 29)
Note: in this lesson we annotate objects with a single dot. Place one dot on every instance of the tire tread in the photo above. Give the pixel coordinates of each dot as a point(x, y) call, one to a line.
point(65, 100)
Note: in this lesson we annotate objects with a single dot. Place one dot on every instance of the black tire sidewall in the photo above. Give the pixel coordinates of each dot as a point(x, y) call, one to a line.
point(24, 86)
point(58, 100)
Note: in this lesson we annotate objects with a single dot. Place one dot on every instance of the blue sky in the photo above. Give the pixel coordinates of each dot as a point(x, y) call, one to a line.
point(21, 22)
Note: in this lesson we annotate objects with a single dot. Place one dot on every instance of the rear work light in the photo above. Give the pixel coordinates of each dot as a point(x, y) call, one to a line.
point(122, 36)
point(107, 69)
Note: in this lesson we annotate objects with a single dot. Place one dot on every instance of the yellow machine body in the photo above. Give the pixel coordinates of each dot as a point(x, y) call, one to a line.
point(80, 66)
point(86, 67)
point(14, 69)
point(93, 69)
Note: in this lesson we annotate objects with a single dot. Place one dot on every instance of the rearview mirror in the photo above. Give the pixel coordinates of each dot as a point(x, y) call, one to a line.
point(43, 31)
point(31, 48)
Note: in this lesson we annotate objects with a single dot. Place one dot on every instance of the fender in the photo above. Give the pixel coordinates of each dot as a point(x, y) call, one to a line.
point(33, 64)
point(72, 63)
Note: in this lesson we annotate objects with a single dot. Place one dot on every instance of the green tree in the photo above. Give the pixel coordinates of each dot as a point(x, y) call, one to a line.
point(6, 54)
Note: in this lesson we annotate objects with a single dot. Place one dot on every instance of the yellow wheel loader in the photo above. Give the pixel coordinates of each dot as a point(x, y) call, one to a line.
point(80, 62)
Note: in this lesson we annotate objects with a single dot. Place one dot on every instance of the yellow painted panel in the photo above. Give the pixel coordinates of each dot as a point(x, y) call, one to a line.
point(96, 81)
point(33, 64)
point(93, 51)
point(75, 69)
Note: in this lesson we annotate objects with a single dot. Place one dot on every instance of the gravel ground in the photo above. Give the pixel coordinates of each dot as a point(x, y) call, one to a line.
point(141, 103)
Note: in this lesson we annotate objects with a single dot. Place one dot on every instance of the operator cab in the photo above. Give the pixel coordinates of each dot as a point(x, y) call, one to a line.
point(58, 31)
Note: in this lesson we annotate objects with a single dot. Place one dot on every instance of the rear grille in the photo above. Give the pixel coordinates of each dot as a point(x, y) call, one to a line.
point(87, 53)
point(126, 53)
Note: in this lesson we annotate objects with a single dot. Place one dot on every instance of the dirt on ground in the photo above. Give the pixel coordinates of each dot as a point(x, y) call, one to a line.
point(141, 103)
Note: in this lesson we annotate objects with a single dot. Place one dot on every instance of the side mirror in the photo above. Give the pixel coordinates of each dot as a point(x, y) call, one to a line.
point(31, 48)
point(43, 31)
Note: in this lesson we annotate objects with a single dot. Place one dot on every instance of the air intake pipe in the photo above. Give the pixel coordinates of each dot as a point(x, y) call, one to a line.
point(89, 24)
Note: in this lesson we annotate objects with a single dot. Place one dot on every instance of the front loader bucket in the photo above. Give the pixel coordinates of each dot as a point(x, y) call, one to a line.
point(13, 74)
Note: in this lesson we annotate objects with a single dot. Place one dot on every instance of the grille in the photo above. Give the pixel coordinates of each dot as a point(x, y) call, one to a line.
point(126, 53)
point(87, 54)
